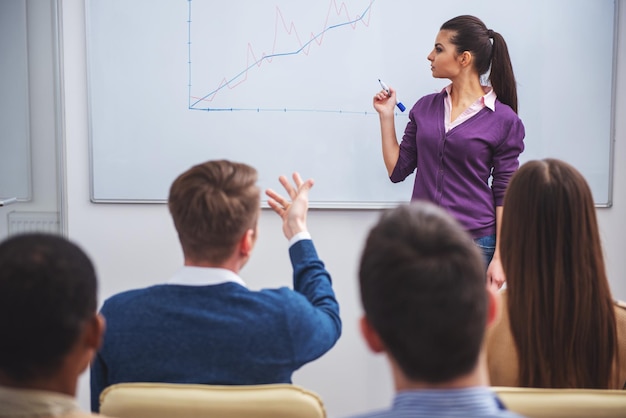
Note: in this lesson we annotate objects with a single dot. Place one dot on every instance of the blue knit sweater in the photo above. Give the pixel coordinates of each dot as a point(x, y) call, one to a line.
point(219, 334)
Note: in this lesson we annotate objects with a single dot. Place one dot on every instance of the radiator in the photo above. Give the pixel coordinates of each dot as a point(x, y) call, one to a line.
point(21, 222)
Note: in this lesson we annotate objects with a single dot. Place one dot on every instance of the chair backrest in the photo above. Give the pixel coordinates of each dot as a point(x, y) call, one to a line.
point(560, 403)
point(167, 400)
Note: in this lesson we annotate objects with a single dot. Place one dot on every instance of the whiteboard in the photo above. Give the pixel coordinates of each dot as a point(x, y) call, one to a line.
point(15, 166)
point(287, 86)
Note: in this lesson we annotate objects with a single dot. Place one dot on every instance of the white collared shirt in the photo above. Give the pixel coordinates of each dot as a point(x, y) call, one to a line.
point(204, 276)
point(488, 100)
point(209, 276)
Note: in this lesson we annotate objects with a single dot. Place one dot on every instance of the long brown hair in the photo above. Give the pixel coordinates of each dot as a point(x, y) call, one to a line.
point(560, 306)
point(472, 35)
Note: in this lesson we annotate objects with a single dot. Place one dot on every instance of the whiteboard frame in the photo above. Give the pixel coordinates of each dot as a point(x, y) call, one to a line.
point(609, 202)
point(365, 205)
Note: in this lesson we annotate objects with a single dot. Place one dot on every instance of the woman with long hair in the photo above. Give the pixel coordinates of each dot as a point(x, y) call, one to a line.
point(459, 138)
point(560, 327)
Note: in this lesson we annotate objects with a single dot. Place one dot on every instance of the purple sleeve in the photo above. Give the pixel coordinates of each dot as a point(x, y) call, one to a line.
point(407, 159)
point(506, 159)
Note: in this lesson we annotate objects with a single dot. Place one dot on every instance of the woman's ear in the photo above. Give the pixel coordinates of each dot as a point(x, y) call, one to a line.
point(465, 58)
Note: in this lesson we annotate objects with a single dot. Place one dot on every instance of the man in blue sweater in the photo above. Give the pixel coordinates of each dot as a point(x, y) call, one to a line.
point(427, 307)
point(204, 325)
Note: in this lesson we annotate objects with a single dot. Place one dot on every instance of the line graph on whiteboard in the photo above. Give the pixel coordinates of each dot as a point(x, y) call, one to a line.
point(273, 56)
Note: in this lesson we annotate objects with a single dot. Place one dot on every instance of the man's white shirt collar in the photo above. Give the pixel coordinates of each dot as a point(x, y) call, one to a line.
point(204, 276)
point(208, 276)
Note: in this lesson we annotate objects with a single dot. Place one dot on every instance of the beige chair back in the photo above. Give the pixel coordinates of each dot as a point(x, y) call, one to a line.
point(561, 403)
point(166, 400)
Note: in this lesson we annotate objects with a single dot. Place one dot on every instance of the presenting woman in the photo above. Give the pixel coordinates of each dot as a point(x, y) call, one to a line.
point(461, 137)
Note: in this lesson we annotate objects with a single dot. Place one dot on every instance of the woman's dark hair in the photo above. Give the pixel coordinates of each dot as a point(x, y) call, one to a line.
point(473, 36)
point(559, 301)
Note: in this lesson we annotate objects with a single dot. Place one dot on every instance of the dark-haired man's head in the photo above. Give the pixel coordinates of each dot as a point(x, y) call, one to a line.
point(49, 328)
point(423, 291)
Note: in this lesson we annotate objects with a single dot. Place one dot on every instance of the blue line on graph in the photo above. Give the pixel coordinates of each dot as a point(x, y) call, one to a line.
point(267, 57)
point(283, 110)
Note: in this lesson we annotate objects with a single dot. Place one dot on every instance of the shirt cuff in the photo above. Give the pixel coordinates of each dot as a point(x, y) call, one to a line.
point(299, 237)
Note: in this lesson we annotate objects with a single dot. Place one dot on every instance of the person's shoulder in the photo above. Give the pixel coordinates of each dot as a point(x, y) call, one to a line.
point(126, 297)
point(505, 111)
point(620, 311)
point(377, 414)
point(127, 294)
point(620, 322)
point(509, 123)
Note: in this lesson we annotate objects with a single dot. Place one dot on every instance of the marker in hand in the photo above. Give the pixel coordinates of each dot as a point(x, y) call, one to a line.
point(384, 86)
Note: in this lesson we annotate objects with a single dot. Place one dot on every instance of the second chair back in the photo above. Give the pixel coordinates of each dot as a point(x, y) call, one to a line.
point(561, 403)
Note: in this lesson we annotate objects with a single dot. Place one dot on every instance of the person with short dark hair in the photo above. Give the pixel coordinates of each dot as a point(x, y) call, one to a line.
point(427, 307)
point(204, 325)
point(49, 325)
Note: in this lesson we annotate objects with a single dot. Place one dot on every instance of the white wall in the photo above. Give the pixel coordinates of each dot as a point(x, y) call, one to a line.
point(41, 86)
point(135, 245)
point(613, 220)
